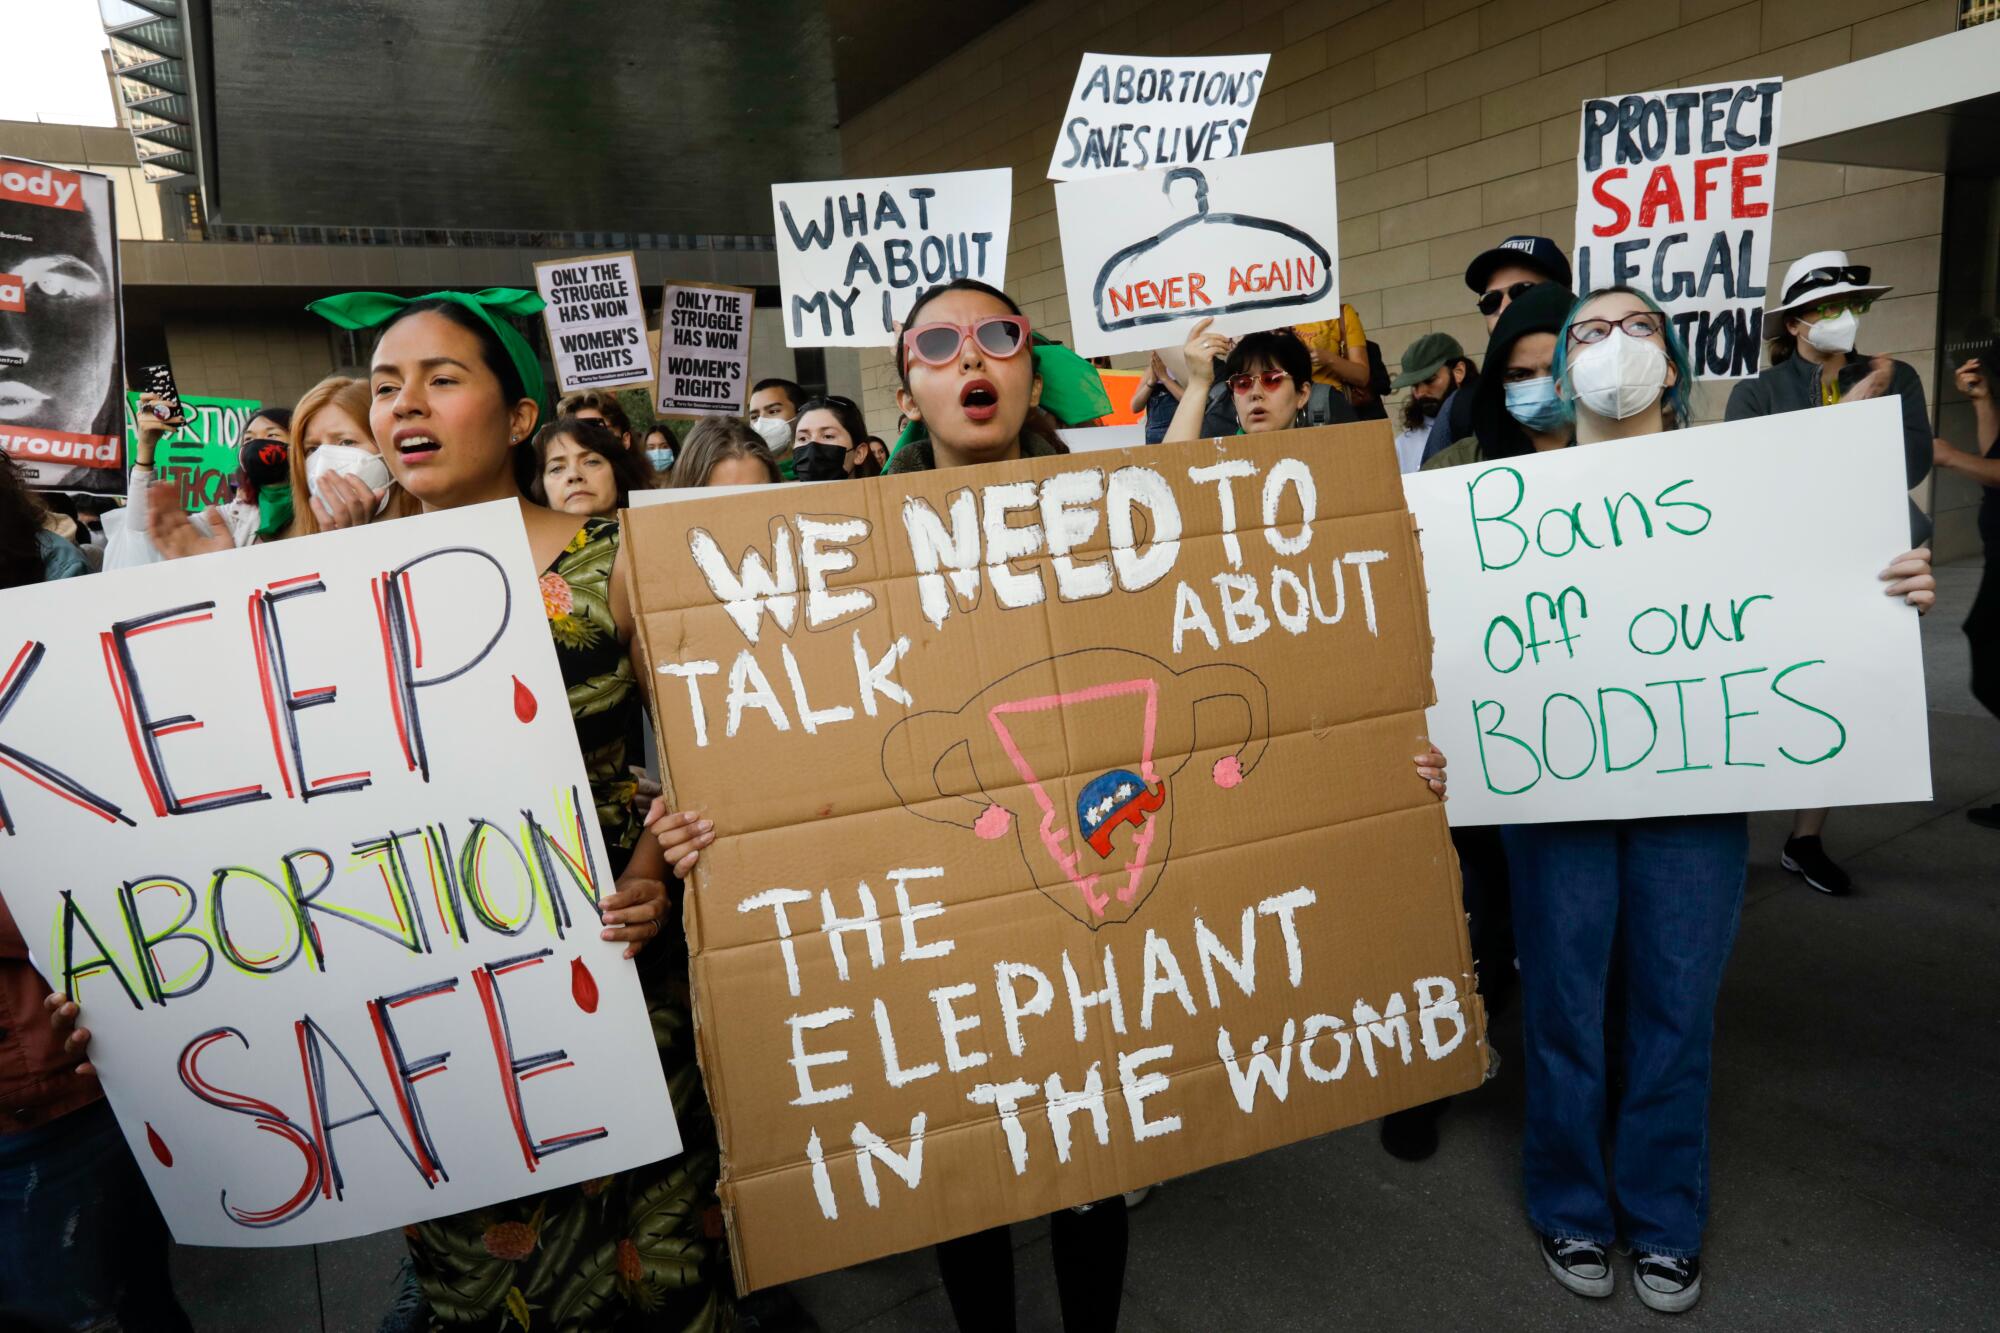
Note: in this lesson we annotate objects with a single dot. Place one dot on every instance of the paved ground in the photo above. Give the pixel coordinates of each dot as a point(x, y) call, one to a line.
point(1856, 1175)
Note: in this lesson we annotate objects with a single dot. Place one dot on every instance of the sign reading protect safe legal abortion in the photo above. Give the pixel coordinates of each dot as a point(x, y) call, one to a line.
point(704, 349)
point(1086, 848)
point(596, 324)
point(1130, 113)
point(342, 970)
point(853, 255)
point(1674, 197)
point(1251, 242)
point(1615, 637)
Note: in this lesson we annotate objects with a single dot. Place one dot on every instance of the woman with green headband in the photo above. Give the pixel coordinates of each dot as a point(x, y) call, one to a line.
point(454, 389)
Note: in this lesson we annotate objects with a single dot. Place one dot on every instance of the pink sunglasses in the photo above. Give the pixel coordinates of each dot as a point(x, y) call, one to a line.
point(939, 344)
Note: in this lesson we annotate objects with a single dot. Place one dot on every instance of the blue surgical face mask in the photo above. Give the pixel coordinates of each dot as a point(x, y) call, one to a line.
point(1534, 404)
point(661, 459)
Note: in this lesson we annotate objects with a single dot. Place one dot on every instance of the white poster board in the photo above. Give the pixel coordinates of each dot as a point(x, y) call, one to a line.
point(853, 255)
point(704, 367)
point(1674, 195)
point(1253, 242)
point(342, 969)
point(596, 321)
point(1132, 113)
point(1635, 629)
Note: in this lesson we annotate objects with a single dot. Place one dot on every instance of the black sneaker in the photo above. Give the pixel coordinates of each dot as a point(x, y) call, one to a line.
point(1665, 1283)
point(1580, 1265)
point(1807, 859)
point(1986, 816)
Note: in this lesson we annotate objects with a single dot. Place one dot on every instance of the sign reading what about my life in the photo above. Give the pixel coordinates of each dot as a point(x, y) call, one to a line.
point(341, 969)
point(1086, 847)
point(1644, 627)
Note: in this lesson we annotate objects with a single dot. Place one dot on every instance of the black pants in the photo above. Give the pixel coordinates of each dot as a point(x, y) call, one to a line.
point(1089, 1252)
point(1982, 627)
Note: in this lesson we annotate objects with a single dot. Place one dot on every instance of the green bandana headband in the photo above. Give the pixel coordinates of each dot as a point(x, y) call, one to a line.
point(1072, 391)
point(367, 310)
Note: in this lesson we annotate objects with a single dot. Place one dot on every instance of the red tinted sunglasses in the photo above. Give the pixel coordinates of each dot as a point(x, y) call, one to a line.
point(1272, 380)
point(939, 344)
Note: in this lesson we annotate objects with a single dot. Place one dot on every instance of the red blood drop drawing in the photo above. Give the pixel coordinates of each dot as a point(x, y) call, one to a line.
point(583, 986)
point(524, 701)
point(158, 1145)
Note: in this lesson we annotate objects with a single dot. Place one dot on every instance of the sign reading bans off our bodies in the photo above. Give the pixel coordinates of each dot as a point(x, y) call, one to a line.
point(342, 971)
point(704, 349)
point(1674, 197)
point(854, 255)
point(596, 323)
point(1130, 113)
point(1251, 242)
point(1086, 849)
point(1614, 639)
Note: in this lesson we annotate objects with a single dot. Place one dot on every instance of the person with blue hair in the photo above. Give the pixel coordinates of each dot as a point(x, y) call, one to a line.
point(1651, 902)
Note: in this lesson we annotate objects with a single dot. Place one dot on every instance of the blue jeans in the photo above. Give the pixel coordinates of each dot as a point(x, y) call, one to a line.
point(1662, 897)
point(82, 1245)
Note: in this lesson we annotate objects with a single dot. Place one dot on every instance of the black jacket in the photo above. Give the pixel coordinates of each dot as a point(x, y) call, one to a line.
point(1793, 385)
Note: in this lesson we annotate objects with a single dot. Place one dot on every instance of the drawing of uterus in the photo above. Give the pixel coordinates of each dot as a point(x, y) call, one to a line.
point(1080, 759)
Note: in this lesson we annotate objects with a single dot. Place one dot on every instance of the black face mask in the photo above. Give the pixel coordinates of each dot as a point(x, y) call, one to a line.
point(819, 462)
point(1427, 408)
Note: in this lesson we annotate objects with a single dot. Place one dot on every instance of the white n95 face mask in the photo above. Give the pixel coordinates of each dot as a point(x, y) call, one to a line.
point(1619, 376)
point(777, 433)
point(1836, 334)
point(349, 460)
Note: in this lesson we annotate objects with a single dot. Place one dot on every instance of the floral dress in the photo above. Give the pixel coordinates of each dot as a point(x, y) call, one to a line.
point(642, 1248)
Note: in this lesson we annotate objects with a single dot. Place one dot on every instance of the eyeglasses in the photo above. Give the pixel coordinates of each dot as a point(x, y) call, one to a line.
point(940, 344)
point(1638, 324)
point(1490, 303)
point(1855, 275)
point(828, 400)
point(1832, 308)
point(1272, 380)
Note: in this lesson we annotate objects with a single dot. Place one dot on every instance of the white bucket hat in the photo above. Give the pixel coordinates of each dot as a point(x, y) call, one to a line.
point(1816, 278)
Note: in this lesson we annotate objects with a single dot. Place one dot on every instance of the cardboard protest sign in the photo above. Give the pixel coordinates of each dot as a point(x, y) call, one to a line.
point(341, 968)
point(853, 255)
point(1131, 113)
point(596, 324)
point(1085, 847)
point(61, 327)
point(200, 456)
point(1673, 196)
point(704, 350)
point(1615, 639)
point(1252, 242)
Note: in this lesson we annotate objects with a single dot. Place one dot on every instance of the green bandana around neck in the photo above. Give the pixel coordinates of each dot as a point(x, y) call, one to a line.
point(367, 310)
point(274, 510)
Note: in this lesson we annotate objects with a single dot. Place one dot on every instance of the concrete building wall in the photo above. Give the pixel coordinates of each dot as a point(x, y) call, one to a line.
point(1456, 123)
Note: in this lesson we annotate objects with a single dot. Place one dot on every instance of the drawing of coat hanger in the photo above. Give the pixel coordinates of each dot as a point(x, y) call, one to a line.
point(1127, 258)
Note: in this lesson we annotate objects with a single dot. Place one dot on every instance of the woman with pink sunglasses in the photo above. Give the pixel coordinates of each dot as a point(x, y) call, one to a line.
point(1269, 376)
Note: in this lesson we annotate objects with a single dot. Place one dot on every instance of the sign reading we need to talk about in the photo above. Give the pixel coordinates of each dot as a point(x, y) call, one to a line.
point(1251, 242)
point(1130, 113)
point(1636, 628)
point(596, 322)
point(341, 968)
point(854, 255)
point(1674, 197)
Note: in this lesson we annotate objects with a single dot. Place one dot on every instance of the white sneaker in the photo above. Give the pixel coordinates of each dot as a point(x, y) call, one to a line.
point(1666, 1283)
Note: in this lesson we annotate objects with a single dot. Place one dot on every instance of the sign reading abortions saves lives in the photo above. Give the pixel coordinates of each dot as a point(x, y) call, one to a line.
point(1085, 847)
point(341, 969)
point(1129, 113)
point(1635, 629)
point(595, 319)
point(854, 255)
point(1674, 197)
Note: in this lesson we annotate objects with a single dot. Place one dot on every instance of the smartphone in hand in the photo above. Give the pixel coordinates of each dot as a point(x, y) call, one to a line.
point(160, 380)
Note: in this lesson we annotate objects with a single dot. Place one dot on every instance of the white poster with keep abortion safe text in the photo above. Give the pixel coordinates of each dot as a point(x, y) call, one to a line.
point(305, 829)
point(853, 255)
point(1642, 628)
point(1251, 242)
